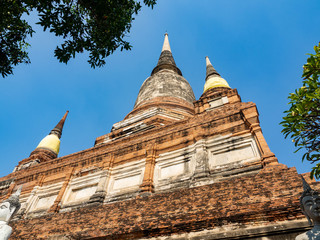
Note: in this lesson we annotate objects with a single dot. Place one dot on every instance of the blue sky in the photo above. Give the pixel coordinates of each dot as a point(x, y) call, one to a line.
point(258, 46)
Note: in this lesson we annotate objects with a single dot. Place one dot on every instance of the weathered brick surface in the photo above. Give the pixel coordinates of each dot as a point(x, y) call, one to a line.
point(224, 120)
point(269, 196)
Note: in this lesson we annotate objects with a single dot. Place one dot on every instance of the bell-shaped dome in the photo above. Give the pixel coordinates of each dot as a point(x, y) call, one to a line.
point(166, 85)
point(52, 141)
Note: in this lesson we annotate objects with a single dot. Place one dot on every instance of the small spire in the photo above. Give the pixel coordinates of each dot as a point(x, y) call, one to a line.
point(166, 60)
point(57, 130)
point(210, 69)
point(213, 78)
point(166, 45)
point(52, 140)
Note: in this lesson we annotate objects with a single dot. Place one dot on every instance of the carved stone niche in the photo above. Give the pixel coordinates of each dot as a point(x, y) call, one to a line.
point(227, 153)
point(41, 199)
point(201, 160)
point(81, 187)
point(125, 181)
point(173, 169)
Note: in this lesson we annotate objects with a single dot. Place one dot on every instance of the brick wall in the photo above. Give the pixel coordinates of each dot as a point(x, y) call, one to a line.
point(267, 197)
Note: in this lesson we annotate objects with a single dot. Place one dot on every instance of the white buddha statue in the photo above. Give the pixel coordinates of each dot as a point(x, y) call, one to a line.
point(310, 206)
point(7, 209)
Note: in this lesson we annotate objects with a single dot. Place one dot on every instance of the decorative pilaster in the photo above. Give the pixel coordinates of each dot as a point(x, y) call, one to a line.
point(55, 207)
point(201, 160)
point(101, 191)
point(250, 117)
point(147, 184)
point(267, 156)
point(27, 204)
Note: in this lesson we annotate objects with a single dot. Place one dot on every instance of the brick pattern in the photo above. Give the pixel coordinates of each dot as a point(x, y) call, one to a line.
point(270, 196)
point(55, 206)
point(221, 121)
point(147, 184)
point(267, 197)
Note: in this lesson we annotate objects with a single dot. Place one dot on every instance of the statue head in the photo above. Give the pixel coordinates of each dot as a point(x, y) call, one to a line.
point(310, 203)
point(10, 206)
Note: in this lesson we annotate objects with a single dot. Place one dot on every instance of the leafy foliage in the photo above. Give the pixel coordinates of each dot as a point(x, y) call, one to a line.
point(302, 122)
point(96, 26)
point(13, 34)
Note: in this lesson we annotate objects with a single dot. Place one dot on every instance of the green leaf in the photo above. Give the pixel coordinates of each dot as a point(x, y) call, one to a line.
point(302, 120)
point(98, 27)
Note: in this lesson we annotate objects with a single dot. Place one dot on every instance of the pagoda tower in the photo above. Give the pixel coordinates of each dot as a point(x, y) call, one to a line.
point(47, 149)
point(175, 167)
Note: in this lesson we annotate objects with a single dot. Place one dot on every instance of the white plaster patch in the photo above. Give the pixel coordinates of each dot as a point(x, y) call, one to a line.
point(42, 198)
point(45, 202)
point(235, 155)
point(126, 178)
point(137, 119)
point(218, 102)
point(127, 181)
point(80, 189)
point(233, 149)
point(82, 193)
point(172, 170)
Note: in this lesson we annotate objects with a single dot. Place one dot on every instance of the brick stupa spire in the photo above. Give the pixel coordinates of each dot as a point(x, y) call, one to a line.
point(47, 149)
point(210, 70)
point(213, 78)
point(166, 87)
point(58, 128)
point(166, 60)
point(51, 142)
